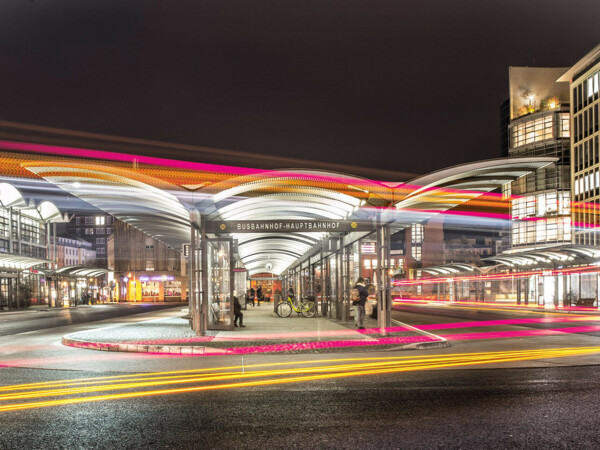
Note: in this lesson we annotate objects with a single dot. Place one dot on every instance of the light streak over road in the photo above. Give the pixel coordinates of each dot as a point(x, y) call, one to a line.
point(27, 396)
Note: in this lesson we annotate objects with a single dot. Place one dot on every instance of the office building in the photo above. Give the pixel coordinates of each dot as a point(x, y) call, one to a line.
point(539, 126)
point(585, 177)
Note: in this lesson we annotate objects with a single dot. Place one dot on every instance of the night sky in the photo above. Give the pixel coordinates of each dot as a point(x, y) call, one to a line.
point(409, 86)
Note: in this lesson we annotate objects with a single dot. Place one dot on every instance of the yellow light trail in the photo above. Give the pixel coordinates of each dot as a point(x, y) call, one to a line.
point(350, 368)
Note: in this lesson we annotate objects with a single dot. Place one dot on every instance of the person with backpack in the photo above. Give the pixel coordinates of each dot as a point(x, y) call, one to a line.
point(359, 295)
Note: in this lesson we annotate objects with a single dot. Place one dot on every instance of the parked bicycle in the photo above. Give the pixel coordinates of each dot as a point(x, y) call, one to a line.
point(306, 308)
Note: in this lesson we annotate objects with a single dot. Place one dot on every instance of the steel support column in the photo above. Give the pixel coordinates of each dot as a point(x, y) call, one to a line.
point(203, 298)
point(384, 304)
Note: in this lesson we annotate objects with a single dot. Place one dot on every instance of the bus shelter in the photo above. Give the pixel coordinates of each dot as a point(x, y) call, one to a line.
point(304, 226)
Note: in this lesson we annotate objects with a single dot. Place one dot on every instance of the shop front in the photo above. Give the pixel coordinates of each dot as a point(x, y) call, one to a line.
point(150, 287)
point(268, 283)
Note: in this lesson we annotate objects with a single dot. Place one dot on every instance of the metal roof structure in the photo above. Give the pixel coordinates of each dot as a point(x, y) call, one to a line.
point(552, 257)
point(80, 271)
point(46, 211)
point(444, 270)
point(161, 209)
point(9, 261)
point(445, 189)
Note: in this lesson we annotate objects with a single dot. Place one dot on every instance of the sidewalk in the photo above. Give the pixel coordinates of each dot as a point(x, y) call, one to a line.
point(46, 308)
point(31, 309)
point(265, 332)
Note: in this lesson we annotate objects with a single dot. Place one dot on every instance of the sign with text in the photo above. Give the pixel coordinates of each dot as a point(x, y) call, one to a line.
point(287, 226)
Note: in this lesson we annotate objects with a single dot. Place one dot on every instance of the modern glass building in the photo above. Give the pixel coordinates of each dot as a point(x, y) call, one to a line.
point(583, 79)
point(539, 126)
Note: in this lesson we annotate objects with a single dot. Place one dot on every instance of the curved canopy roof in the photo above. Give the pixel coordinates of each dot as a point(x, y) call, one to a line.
point(81, 271)
point(46, 211)
point(568, 255)
point(161, 209)
point(287, 194)
point(19, 262)
point(451, 269)
point(125, 195)
point(445, 189)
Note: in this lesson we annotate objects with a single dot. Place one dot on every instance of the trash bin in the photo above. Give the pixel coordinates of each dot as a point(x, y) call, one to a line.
point(276, 301)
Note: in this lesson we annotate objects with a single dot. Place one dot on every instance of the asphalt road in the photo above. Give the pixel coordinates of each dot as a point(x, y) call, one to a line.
point(469, 409)
point(543, 403)
point(426, 316)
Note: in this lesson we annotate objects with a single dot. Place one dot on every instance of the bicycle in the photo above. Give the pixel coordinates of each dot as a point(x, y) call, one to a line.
point(306, 308)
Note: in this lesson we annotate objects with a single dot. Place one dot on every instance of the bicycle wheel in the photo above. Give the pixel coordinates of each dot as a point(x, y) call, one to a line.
point(308, 309)
point(284, 309)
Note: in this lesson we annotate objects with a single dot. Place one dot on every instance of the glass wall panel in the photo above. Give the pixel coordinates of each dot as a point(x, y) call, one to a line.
point(220, 287)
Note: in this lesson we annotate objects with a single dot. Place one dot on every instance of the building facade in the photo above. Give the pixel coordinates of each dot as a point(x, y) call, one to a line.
point(25, 230)
point(539, 126)
point(583, 79)
point(94, 228)
point(145, 269)
point(74, 251)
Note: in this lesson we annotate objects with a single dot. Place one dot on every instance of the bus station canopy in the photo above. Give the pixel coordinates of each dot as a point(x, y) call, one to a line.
point(551, 257)
point(158, 200)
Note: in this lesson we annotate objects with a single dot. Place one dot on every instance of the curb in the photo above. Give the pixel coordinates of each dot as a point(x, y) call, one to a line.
point(140, 348)
point(204, 350)
point(440, 342)
point(422, 345)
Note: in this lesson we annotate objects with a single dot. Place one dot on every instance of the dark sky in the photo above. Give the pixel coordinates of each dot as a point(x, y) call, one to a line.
point(411, 86)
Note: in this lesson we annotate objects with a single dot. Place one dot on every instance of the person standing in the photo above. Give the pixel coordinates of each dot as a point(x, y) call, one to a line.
point(237, 313)
point(259, 294)
point(252, 295)
point(359, 305)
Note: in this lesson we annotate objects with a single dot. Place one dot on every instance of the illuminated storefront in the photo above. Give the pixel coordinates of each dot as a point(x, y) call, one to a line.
point(150, 287)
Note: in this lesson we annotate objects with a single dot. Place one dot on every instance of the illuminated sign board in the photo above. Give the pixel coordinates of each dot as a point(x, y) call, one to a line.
point(157, 278)
point(367, 247)
point(285, 226)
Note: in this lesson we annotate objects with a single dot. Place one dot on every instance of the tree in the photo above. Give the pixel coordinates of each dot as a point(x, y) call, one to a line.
point(25, 294)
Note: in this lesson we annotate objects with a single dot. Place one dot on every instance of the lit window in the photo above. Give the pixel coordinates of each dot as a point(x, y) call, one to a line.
point(541, 199)
point(100, 220)
point(417, 233)
point(596, 83)
point(590, 85)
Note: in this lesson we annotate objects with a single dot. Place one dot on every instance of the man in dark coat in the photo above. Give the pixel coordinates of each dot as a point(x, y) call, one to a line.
point(237, 313)
point(359, 305)
point(259, 294)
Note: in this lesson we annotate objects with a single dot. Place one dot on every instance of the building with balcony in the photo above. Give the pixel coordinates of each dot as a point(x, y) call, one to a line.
point(539, 126)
